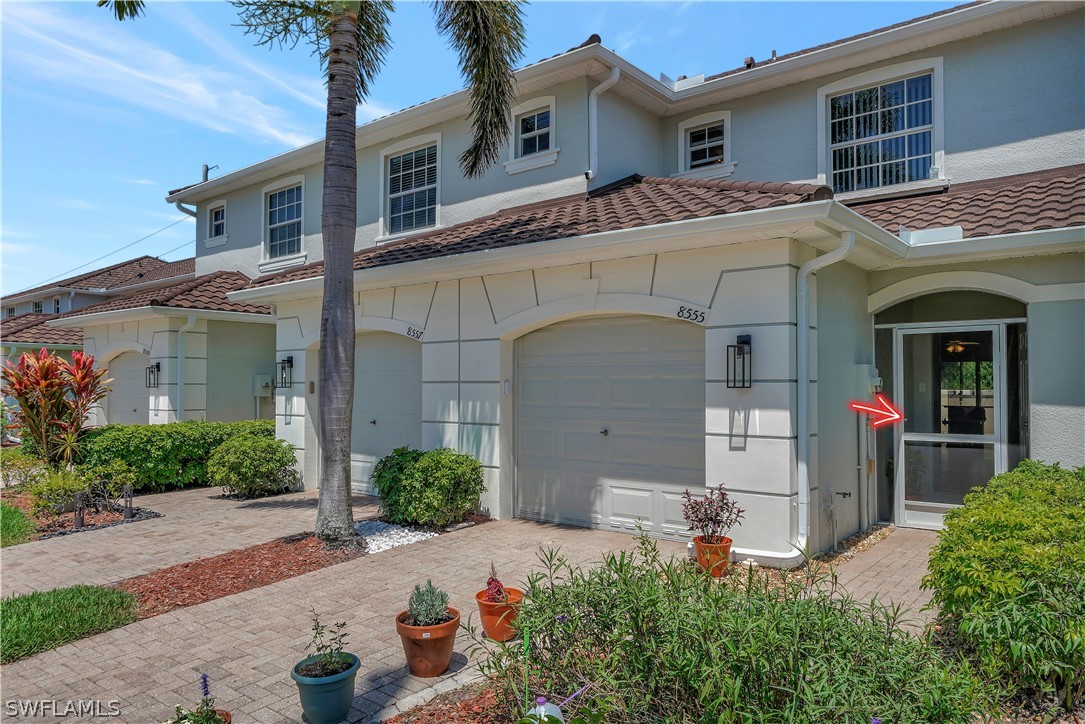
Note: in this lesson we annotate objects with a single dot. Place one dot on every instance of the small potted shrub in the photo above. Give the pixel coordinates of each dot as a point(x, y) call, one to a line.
point(205, 712)
point(428, 630)
point(326, 679)
point(497, 607)
point(714, 516)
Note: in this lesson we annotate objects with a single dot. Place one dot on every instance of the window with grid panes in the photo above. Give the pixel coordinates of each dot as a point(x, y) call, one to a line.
point(56, 305)
point(284, 222)
point(9, 312)
point(412, 190)
point(216, 222)
point(705, 145)
point(534, 132)
point(37, 307)
point(882, 135)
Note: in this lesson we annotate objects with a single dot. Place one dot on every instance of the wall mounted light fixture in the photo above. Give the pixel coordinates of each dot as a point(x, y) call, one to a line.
point(285, 366)
point(151, 375)
point(740, 363)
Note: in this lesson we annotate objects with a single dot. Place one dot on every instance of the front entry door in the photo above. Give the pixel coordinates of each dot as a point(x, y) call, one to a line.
point(951, 386)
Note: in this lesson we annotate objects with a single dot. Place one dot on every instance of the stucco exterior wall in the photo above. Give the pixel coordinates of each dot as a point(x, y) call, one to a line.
point(468, 331)
point(236, 353)
point(1056, 340)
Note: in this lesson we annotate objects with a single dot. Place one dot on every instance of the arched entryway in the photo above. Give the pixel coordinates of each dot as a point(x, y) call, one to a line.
point(610, 421)
point(955, 362)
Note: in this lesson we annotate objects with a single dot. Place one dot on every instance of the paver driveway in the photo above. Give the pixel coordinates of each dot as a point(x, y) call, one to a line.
point(194, 524)
point(247, 642)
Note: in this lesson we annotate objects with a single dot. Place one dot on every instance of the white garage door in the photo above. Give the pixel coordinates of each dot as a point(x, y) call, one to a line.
point(610, 422)
point(128, 399)
point(387, 400)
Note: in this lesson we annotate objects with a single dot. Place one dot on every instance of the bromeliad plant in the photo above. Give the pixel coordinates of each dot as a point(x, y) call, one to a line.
point(53, 399)
point(495, 590)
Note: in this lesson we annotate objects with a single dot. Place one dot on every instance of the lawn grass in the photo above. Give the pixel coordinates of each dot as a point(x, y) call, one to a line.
point(43, 620)
point(15, 526)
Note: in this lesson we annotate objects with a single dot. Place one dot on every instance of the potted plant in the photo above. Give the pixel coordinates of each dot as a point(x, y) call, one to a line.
point(205, 712)
point(497, 606)
point(326, 679)
point(428, 630)
point(714, 516)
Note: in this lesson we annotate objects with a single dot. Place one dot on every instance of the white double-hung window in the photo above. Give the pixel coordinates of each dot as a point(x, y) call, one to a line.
point(704, 146)
point(284, 222)
point(38, 307)
point(216, 221)
point(9, 312)
point(56, 305)
point(533, 132)
point(412, 189)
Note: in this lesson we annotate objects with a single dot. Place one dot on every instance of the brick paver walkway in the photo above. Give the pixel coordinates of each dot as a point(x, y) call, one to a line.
point(892, 570)
point(248, 642)
point(194, 524)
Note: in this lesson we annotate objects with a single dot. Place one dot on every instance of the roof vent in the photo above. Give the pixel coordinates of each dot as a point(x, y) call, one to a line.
point(749, 62)
point(773, 55)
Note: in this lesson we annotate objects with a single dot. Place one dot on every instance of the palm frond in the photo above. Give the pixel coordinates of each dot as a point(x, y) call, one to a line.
point(123, 9)
point(489, 37)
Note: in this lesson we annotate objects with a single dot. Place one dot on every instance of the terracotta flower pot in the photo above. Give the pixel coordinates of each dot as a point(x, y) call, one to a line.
point(226, 717)
point(428, 648)
point(497, 618)
point(713, 557)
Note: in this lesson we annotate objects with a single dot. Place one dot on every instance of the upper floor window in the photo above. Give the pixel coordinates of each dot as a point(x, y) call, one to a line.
point(216, 221)
point(412, 190)
point(704, 146)
point(38, 307)
point(9, 312)
point(284, 222)
point(56, 305)
point(533, 132)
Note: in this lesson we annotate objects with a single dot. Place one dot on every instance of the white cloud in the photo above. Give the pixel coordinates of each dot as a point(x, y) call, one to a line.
point(113, 62)
point(140, 181)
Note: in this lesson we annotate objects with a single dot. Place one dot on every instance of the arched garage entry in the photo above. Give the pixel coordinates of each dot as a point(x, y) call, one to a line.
point(128, 401)
point(387, 400)
point(610, 421)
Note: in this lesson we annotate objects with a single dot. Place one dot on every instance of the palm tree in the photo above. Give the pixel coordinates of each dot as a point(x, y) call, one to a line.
point(353, 38)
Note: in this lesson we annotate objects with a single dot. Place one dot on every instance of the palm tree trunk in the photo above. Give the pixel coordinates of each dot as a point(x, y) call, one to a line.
point(338, 221)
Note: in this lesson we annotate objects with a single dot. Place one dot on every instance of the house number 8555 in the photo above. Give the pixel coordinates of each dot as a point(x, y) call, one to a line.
point(693, 315)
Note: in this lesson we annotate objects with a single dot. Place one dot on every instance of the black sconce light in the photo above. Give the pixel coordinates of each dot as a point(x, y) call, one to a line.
point(740, 363)
point(284, 376)
point(151, 373)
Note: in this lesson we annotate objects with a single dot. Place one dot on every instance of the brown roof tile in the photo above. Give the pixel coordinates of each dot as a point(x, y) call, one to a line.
point(1050, 199)
point(122, 274)
point(207, 292)
point(632, 202)
point(31, 329)
point(849, 39)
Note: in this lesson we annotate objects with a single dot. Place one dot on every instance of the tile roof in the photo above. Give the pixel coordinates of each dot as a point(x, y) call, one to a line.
point(207, 292)
point(632, 202)
point(30, 328)
point(849, 39)
point(122, 274)
point(1050, 199)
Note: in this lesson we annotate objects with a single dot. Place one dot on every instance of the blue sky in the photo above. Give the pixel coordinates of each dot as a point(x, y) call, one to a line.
point(100, 119)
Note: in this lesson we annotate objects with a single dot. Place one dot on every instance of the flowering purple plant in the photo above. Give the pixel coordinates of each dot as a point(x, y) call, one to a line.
point(714, 515)
point(204, 713)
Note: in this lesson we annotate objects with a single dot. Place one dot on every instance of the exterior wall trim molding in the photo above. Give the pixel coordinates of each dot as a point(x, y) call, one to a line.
point(972, 280)
point(118, 348)
point(586, 304)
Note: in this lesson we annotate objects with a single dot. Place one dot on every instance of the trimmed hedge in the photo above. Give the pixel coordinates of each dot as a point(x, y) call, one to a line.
point(167, 456)
point(1009, 575)
point(250, 466)
point(435, 488)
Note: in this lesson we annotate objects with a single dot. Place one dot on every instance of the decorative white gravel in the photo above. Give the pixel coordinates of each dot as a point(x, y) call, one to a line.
point(381, 536)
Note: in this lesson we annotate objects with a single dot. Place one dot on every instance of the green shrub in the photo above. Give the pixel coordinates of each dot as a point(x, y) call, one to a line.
point(15, 527)
point(19, 468)
point(660, 641)
point(1009, 576)
point(251, 466)
point(43, 620)
point(167, 456)
point(56, 491)
point(106, 482)
point(436, 488)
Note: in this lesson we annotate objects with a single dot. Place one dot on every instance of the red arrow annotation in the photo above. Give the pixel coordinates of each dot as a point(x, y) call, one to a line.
point(882, 411)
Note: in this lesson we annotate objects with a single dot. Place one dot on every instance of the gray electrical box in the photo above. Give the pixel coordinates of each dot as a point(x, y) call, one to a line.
point(262, 386)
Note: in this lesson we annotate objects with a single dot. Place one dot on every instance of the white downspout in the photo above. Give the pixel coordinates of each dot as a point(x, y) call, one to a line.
point(184, 209)
point(189, 324)
point(802, 407)
point(593, 121)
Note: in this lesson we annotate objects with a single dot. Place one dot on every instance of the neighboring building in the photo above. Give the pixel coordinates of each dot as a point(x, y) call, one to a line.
point(573, 317)
point(181, 352)
point(28, 332)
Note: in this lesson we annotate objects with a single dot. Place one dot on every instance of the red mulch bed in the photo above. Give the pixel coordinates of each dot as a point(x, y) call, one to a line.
point(52, 524)
point(472, 704)
point(206, 579)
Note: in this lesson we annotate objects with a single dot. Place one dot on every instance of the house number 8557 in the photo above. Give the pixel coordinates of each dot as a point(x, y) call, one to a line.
point(414, 333)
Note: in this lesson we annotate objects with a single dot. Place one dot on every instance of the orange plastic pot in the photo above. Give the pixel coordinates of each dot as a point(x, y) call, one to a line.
point(428, 648)
point(497, 618)
point(713, 557)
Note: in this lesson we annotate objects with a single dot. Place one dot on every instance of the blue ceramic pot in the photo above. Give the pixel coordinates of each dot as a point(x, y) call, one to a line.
point(326, 699)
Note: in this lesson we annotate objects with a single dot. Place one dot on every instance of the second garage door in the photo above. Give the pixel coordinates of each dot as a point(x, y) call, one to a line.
point(610, 422)
point(127, 402)
point(387, 400)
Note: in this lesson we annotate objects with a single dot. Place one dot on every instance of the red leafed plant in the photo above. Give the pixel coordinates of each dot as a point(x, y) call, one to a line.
point(53, 400)
point(495, 591)
point(714, 515)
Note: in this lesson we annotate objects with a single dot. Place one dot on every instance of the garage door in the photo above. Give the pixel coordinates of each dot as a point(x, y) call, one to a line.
point(610, 422)
point(387, 400)
point(128, 399)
